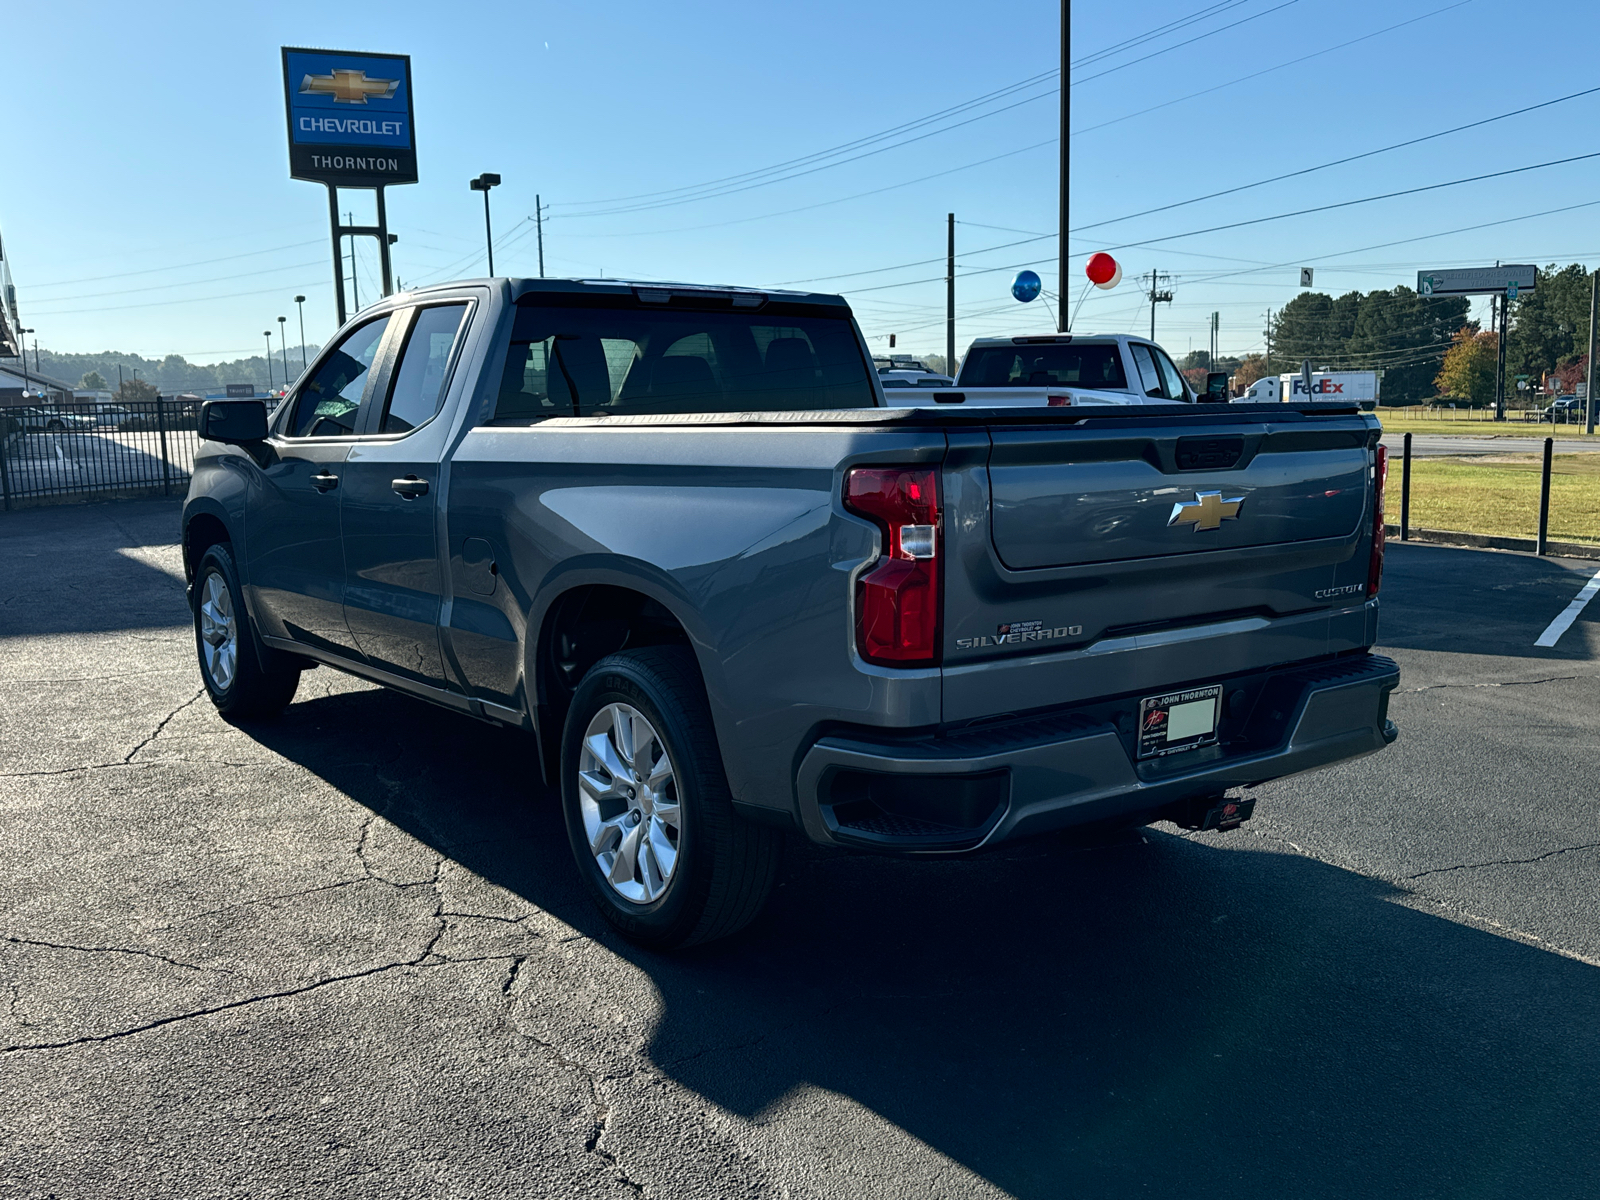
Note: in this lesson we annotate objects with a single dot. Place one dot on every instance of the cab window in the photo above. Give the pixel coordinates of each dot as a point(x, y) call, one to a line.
point(1170, 375)
point(327, 403)
point(418, 387)
point(1149, 374)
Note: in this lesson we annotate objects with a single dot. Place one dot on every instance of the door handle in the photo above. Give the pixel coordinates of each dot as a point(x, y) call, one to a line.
point(325, 481)
point(410, 487)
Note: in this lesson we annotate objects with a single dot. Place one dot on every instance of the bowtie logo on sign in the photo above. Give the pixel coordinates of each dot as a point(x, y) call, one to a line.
point(1208, 510)
point(348, 87)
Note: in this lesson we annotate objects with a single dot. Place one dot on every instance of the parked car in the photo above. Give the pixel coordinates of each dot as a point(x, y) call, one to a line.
point(46, 420)
point(676, 534)
point(901, 370)
point(1062, 371)
point(1565, 409)
point(112, 416)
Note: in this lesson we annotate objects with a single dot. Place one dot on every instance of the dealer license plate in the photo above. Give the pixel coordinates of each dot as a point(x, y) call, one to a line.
point(1178, 721)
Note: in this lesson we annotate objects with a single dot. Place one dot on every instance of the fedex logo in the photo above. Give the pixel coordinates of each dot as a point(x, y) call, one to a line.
point(1319, 387)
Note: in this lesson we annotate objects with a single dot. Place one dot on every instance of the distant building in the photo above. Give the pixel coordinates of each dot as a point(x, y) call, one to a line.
point(24, 385)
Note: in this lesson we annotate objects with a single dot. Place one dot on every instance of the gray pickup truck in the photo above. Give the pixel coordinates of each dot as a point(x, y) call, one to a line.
point(677, 535)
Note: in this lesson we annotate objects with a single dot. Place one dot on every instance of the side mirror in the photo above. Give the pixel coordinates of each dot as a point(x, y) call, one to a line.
point(1216, 388)
point(237, 422)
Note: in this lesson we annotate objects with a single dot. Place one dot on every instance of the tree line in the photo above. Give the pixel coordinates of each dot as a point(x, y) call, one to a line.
point(169, 375)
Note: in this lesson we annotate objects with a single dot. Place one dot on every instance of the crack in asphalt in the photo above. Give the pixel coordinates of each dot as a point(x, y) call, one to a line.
point(18, 941)
point(156, 732)
point(601, 1122)
point(1506, 862)
point(1434, 687)
point(244, 1002)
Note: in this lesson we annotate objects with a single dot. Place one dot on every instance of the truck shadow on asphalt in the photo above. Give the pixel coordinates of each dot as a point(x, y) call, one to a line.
point(1153, 1016)
point(1480, 601)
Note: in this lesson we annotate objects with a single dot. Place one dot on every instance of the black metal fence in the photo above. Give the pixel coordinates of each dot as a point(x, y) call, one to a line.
point(80, 451)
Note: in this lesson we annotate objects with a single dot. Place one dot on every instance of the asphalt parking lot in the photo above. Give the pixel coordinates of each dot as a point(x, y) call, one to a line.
point(345, 953)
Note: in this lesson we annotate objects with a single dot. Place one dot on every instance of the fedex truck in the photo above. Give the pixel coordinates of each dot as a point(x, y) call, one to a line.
point(1345, 387)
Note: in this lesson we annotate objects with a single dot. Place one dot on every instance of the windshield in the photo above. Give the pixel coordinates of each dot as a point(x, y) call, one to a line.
point(1093, 365)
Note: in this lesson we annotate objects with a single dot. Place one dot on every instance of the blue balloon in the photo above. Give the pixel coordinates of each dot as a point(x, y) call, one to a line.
point(1025, 286)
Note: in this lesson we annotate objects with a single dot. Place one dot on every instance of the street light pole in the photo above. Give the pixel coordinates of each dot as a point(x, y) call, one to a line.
point(482, 184)
point(283, 348)
point(267, 333)
point(300, 302)
point(22, 349)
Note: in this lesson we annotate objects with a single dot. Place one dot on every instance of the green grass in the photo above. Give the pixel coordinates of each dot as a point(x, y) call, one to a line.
point(1481, 424)
point(1501, 497)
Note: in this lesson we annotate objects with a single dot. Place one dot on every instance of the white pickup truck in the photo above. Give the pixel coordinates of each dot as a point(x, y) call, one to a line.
point(1061, 370)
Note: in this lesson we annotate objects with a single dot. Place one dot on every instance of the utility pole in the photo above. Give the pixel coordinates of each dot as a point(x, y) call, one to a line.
point(538, 222)
point(283, 347)
point(1156, 298)
point(268, 335)
point(950, 300)
point(1066, 162)
point(1594, 317)
point(1269, 341)
point(300, 302)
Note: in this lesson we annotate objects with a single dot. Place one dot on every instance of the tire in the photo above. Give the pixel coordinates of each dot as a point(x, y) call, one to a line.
point(705, 877)
point(54, 427)
point(225, 643)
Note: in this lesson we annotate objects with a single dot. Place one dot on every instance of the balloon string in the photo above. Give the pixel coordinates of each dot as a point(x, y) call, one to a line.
point(1081, 298)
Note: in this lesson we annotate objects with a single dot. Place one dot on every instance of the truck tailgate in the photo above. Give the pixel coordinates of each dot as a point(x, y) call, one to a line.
point(1112, 556)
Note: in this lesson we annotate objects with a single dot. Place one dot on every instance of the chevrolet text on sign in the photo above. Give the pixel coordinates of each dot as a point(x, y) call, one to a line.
point(350, 117)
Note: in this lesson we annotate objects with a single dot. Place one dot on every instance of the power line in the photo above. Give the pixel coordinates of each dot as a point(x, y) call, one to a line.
point(157, 287)
point(203, 262)
point(1301, 212)
point(1339, 162)
point(1253, 77)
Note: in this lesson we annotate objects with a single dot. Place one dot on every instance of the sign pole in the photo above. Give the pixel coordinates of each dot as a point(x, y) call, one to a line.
point(1500, 364)
point(383, 244)
point(338, 256)
point(1594, 317)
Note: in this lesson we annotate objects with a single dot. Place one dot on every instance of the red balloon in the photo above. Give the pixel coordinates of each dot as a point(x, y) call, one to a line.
point(1102, 268)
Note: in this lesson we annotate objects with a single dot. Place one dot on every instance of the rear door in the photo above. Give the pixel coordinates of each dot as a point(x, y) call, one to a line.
point(1142, 534)
point(393, 578)
point(295, 577)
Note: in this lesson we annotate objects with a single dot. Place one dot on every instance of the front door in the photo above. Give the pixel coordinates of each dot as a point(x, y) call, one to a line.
point(295, 576)
point(393, 580)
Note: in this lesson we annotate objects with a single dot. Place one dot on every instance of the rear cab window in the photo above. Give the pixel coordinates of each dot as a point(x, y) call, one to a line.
point(620, 356)
point(1081, 365)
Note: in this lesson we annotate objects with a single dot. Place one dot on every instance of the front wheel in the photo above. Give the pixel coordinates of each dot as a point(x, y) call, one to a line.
point(229, 666)
point(54, 427)
point(659, 847)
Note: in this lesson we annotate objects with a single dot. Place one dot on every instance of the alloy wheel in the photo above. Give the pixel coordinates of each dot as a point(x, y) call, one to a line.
point(628, 794)
point(219, 631)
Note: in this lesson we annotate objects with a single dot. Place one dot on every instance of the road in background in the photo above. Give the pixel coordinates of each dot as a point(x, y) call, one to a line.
point(345, 953)
point(1435, 445)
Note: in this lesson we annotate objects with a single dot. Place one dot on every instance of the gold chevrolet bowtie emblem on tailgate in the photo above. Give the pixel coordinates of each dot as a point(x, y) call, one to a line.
point(1208, 510)
point(348, 87)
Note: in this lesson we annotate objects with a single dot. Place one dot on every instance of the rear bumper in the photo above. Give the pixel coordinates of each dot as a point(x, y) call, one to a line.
point(972, 789)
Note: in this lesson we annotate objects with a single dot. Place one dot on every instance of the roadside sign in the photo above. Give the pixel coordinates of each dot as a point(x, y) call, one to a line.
point(1477, 281)
point(350, 117)
point(1305, 276)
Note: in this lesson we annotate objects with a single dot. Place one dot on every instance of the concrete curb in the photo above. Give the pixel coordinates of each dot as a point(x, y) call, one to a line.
point(1483, 541)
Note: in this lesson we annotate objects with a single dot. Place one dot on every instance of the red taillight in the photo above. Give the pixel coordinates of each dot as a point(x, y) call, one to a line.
point(897, 601)
point(1058, 402)
point(1380, 477)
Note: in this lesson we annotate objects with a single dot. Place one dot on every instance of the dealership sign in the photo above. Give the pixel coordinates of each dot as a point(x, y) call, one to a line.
point(350, 118)
point(1477, 281)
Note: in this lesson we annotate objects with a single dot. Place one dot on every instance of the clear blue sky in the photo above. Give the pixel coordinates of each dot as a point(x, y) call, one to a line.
point(147, 143)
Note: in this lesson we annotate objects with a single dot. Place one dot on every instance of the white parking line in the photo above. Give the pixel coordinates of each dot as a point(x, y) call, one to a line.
point(1562, 623)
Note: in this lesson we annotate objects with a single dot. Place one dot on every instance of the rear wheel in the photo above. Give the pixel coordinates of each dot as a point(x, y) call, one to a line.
point(225, 642)
point(659, 847)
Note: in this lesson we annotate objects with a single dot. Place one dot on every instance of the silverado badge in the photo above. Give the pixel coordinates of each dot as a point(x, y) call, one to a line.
point(1208, 510)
